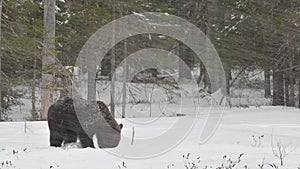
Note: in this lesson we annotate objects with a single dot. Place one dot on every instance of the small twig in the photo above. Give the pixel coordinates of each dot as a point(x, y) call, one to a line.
point(132, 138)
point(25, 126)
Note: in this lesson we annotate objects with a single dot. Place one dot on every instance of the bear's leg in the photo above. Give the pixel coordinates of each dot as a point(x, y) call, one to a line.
point(85, 140)
point(55, 139)
point(70, 136)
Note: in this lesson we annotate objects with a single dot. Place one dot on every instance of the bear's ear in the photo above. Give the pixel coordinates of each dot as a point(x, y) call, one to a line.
point(121, 126)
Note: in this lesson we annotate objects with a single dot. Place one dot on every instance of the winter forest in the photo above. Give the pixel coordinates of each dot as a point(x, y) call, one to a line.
point(187, 84)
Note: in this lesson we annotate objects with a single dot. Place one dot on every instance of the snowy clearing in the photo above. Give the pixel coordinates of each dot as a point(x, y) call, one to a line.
point(256, 132)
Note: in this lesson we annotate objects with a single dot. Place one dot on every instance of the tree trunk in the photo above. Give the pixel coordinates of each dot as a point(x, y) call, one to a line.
point(184, 73)
point(33, 97)
point(91, 93)
point(112, 88)
point(0, 60)
point(292, 91)
point(299, 90)
point(267, 75)
point(291, 77)
point(48, 56)
point(207, 84)
point(124, 82)
point(278, 88)
point(65, 85)
point(201, 76)
point(227, 70)
point(181, 51)
point(105, 67)
point(286, 88)
point(113, 58)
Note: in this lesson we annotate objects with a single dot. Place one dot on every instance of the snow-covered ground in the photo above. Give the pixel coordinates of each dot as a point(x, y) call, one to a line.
point(258, 133)
point(155, 136)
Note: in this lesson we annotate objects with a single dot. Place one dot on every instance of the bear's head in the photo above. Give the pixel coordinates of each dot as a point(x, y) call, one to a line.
point(109, 131)
point(108, 136)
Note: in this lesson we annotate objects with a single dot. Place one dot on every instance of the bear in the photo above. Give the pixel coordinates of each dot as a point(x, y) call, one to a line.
point(71, 119)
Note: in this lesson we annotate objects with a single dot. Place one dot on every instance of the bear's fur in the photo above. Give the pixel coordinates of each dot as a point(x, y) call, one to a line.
point(70, 119)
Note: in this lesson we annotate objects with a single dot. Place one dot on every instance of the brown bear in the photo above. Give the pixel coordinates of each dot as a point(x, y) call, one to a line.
point(71, 119)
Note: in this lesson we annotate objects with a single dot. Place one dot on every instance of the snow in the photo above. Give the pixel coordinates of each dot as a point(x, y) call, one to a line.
point(57, 9)
point(138, 14)
point(161, 138)
point(237, 133)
